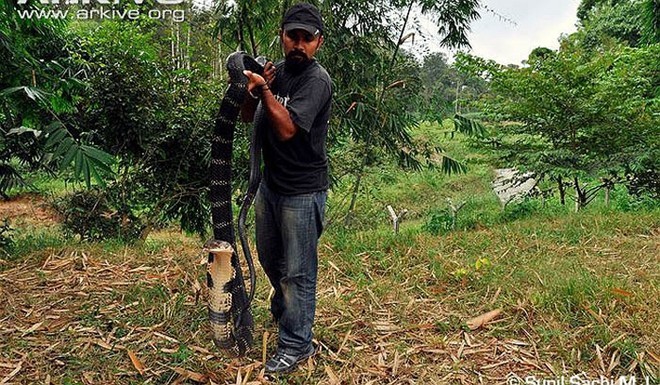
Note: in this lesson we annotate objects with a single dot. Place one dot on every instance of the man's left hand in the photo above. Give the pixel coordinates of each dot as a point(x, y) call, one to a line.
point(254, 81)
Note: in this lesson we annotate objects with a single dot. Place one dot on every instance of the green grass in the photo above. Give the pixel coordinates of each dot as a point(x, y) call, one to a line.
point(569, 284)
point(35, 240)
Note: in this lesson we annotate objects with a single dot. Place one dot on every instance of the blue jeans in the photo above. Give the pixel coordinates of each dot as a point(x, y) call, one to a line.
point(288, 229)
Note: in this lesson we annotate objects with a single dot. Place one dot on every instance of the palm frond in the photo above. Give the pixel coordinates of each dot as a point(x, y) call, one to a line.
point(88, 162)
point(9, 179)
point(33, 93)
point(469, 127)
point(452, 166)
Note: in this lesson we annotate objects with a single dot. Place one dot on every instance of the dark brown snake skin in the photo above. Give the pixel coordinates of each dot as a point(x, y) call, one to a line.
point(229, 302)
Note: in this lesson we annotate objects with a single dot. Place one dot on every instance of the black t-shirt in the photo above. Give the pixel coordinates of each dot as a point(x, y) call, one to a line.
point(300, 164)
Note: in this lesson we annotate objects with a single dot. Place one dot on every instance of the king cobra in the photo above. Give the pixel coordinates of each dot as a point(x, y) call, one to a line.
point(229, 302)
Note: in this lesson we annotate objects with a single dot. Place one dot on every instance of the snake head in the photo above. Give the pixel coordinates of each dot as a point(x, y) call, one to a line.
point(239, 61)
point(215, 246)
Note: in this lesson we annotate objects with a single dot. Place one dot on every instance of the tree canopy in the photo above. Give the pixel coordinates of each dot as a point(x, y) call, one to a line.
point(131, 103)
point(586, 111)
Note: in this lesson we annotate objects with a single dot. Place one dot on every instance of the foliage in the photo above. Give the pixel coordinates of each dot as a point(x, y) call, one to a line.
point(36, 88)
point(636, 22)
point(572, 114)
point(618, 19)
point(88, 161)
point(6, 240)
point(249, 26)
point(650, 17)
point(520, 210)
point(376, 85)
point(447, 90)
point(142, 93)
point(95, 215)
point(438, 222)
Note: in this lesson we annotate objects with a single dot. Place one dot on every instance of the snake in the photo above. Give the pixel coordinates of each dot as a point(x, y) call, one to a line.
point(229, 301)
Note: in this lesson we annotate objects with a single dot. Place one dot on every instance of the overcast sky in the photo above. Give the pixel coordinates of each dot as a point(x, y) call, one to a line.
point(537, 24)
point(533, 23)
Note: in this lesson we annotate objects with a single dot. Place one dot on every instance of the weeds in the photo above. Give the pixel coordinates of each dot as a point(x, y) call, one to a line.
point(579, 292)
point(6, 240)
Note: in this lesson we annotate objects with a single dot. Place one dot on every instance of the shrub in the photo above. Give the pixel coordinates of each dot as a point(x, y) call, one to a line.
point(625, 202)
point(6, 240)
point(93, 215)
point(524, 209)
point(438, 222)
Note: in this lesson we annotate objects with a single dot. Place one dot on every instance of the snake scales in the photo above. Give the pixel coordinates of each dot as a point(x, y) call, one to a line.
point(229, 302)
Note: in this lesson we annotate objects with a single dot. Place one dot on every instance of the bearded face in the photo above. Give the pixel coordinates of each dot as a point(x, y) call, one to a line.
point(299, 47)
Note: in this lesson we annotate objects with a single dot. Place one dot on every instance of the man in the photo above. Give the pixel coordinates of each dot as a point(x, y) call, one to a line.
point(295, 96)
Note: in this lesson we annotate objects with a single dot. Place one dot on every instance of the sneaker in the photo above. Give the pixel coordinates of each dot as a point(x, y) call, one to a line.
point(284, 363)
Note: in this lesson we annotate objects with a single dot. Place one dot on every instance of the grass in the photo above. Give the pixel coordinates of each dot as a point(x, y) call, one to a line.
point(579, 292)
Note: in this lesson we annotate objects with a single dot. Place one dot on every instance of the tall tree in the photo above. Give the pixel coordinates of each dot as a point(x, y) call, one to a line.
point(571, 115)
point(376, 84)
point(374, 110)
point(37, 87)
point(635, 22)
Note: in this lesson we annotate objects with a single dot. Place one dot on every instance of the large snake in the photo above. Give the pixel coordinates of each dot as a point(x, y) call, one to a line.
point(229, 302)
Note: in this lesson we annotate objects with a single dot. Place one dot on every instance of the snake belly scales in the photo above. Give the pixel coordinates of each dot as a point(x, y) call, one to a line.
point(229, 302)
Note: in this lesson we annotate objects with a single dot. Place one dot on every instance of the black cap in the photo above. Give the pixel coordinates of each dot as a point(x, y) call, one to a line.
point(303, 16)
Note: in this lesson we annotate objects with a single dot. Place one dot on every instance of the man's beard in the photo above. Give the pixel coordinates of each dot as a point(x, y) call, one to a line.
point(296, 61)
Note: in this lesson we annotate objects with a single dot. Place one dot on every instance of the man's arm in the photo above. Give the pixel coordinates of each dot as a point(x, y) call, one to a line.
point(249, 106)
point(279, 116)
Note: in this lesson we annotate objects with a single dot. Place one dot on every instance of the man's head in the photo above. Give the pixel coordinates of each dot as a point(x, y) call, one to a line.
point(302, 35)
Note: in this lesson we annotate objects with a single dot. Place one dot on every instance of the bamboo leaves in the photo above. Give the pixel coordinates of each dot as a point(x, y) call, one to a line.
point(88, 161)
point(468, 127)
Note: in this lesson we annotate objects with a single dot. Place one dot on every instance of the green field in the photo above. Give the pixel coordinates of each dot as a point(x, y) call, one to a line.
point(578, 292)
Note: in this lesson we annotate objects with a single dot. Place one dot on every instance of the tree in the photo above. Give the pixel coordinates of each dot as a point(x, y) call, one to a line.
point(153, 106)
point(635, 22)
point(376, 84)
point(146, 93)
point(572, 115)
point(441, 83)
point(650, 18)
point(36, 89)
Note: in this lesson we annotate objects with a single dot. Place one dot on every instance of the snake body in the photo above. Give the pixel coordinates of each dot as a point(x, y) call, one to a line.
point(229, 302)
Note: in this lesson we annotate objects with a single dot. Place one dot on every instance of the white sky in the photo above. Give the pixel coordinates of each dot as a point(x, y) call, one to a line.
point(538, 24)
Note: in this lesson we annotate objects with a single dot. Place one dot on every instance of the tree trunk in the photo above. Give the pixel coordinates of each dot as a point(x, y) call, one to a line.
point(239, 35)
point(607, 196)
point(188, 61)
point(457, 110)
point(562, 191)
point(354, 193)
point(580, 196)
point(608, 185)
point(172, 50)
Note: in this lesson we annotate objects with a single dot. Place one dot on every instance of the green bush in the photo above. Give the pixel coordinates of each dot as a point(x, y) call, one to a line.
point(625, 202)
point(94, 216)
point(523, 209)
point(438, 222)
point(6, 240)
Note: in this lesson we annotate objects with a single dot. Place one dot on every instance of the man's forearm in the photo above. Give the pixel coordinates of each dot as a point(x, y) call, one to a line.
point(279, 116)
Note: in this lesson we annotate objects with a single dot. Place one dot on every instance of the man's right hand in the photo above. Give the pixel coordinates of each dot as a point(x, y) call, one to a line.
point(269, 73)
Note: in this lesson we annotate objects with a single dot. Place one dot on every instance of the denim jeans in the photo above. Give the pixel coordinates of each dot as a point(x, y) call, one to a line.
point(288, 229)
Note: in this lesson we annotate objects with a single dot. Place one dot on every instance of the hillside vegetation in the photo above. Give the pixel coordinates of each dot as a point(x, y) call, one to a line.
point(578, 292)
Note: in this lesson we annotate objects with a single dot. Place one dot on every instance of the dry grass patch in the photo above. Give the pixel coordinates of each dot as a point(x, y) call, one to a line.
point(578, 294)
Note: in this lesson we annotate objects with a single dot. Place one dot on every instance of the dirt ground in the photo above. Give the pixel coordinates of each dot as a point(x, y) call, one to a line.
point(116, 314)
point(28, 209)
